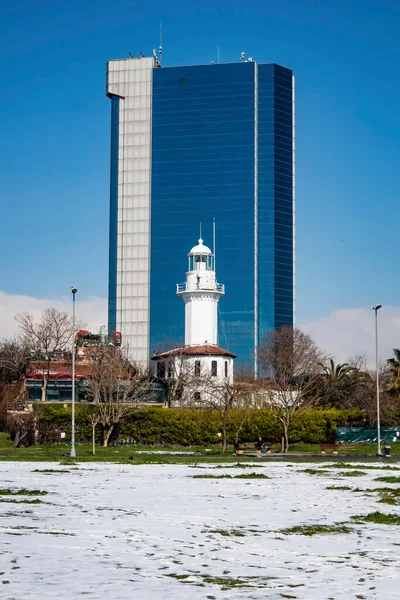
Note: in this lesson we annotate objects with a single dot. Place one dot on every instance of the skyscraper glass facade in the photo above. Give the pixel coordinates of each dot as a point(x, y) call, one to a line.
point(221, 148)
point(112, 271)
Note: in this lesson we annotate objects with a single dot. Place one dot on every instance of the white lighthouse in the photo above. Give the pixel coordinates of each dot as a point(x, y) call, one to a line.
point(200, 365)
point(201, 294)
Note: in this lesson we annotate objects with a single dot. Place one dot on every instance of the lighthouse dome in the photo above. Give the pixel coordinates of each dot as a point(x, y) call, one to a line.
point(200, 249)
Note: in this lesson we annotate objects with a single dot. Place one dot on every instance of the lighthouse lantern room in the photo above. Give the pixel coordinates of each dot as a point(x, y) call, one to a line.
point(201, 293)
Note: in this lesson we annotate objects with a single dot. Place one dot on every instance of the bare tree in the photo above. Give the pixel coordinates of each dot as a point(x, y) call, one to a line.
point(117, 387)
point(222, 396)
point(21, 428)
point(181, 378)
point(93, 418)
point(48, 337)
point(292, 362)
point(14, 358)
point(191, 384)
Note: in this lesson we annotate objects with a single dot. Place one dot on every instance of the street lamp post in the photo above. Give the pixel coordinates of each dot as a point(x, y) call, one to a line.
point(73, 453)
point(378, 416)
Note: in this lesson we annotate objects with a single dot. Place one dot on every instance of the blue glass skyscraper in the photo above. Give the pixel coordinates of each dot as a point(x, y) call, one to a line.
point(190, 145)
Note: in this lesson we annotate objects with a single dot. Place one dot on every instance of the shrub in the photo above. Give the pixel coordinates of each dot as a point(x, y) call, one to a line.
point(190, 427)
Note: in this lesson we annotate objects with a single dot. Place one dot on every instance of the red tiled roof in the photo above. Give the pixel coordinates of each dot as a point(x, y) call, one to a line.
point(205, 350)
point(58, 370)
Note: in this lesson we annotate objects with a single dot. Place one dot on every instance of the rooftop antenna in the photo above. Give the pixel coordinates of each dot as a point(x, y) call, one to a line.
point(130, 55)
point(242, 55)
point(200, 231)
point(160, 46)
point(218, 54)
point(214, 238)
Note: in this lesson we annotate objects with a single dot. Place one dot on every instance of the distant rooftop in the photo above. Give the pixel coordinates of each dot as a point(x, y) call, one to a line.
point(205, 350)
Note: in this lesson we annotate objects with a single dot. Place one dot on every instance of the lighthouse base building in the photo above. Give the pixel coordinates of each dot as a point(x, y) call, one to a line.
point(200, 364)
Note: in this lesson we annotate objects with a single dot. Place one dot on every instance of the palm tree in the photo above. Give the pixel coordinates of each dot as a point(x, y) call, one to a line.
point(336, 372)
point(340, 385)
point(394, 370)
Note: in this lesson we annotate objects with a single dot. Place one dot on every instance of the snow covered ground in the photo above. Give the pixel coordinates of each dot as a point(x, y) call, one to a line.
point(153, 532)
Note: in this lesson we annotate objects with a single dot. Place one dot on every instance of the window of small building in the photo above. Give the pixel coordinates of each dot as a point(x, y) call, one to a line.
point(226, 368)
point(161, 370)
point(197, 396)
point(197, 368)
point(169, 370)
point(214, 368)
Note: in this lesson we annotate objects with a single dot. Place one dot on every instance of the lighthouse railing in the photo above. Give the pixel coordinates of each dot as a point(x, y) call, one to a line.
point(216, 287)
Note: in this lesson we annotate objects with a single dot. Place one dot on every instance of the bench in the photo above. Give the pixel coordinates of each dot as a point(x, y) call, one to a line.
point(325, 447)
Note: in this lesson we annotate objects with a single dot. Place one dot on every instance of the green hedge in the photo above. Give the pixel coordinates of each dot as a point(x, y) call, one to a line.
point(186, 427)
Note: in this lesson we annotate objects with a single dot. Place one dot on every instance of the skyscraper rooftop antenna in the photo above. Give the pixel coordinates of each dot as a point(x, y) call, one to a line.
point(218, 54)
point(160, 46)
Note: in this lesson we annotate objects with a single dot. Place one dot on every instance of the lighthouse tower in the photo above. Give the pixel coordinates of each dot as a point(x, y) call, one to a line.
point(200, 363)
point(201, 294)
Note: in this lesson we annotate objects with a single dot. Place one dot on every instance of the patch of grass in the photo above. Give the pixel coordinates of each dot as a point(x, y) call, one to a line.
point(133, 454)
point(22, 492)
point(343, 465)
point(241, 476)
point(395, 492)
point(15, 501)
point(225, 532)
point(226, 582)
point(316, 529)
point(387, 498)
point(339, 487)
point(212, 476)
point(388, 479)
point(315, 472)
point(378, 518)
point(17, 514)
point(56, 533)
point(51, 471)
point(251, 476)
point(353, 473)
point(238, 466)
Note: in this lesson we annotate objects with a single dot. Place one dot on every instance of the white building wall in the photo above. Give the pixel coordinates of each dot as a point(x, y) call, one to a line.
point(131, 80)
point(201, 318)
point(184, 366)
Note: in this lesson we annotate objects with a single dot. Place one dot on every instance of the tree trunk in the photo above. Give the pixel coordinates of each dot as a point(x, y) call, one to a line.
point(94, 438)
point(224, 435)
point(285, 438)
point(106, 435)
point(44, 388)
point(18, 438)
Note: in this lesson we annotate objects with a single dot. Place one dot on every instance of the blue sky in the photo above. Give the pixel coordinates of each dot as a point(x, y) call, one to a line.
point(54, 154)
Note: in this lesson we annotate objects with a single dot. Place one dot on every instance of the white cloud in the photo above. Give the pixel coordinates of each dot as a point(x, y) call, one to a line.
point(93, 311)
point(351, 332)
